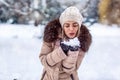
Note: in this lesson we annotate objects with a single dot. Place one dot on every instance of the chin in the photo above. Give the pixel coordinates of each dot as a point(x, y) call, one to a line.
point(71, 37)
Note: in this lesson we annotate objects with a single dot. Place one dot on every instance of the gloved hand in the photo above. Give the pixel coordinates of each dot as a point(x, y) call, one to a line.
point(64, 47)
point(71, 44)
point(69, 63)
point(74, 48)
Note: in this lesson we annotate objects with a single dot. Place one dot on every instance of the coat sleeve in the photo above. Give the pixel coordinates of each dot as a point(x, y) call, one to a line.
point(69, 63)
point(50, 57)
point(70, 66)
point(80, 59)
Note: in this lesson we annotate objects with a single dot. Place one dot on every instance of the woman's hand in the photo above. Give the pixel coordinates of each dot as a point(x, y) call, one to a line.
point(64, 47)
point(71, 44)
point(72, 56)
point(74, 48)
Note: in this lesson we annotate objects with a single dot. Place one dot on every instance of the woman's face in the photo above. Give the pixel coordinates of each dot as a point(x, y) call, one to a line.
point(70, 29)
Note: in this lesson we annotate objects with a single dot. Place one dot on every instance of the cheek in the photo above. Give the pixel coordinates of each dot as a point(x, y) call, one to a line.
point(66, 30)
point(76, 30)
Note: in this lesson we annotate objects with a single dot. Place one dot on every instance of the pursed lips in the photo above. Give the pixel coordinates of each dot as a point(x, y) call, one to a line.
point(71, 34)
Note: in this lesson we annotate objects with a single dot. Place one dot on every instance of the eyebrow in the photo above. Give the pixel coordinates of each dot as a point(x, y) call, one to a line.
point(75, 23)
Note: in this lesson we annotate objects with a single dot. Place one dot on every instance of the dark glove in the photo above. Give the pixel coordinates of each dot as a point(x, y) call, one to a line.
point(72, 45)
point(64, 47)
point(74, 48)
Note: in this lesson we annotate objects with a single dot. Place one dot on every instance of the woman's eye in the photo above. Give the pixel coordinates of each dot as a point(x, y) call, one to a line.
point(66, 26)
point(75, 25)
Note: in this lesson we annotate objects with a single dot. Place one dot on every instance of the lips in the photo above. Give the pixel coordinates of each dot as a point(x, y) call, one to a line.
point(72, 34)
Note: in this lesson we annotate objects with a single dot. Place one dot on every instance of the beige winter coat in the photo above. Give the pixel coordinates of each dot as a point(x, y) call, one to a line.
point(58, 66)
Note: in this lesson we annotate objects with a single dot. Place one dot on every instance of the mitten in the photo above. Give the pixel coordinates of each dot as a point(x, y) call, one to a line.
point(74, 48)
point(69, 63)
point(64, 47)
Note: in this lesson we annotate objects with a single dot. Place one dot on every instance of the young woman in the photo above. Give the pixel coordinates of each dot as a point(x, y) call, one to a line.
point(61, 61)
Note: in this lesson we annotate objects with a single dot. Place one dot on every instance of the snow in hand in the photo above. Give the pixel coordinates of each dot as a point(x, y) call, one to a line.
point(72, 42)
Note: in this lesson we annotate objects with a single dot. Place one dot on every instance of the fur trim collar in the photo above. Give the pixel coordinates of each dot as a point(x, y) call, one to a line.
point(53, 29)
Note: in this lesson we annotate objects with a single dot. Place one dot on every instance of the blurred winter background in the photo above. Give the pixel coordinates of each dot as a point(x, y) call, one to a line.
point(22, 24)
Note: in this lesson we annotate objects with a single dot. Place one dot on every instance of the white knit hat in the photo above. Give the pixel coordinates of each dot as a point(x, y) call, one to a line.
point(71, 14)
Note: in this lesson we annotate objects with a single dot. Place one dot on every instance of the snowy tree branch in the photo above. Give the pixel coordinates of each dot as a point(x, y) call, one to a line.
point(5, 3)
point(85, 6)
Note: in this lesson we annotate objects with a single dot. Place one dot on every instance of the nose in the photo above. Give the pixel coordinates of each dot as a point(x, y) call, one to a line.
point(71, 28)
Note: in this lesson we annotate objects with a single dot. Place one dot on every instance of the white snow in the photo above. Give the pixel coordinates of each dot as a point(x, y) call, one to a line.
point(20, 47)
point(4, 2)
point(36, 4)
point(72, 42)
point(21, 31)
point(105, 30)
point(43, 3)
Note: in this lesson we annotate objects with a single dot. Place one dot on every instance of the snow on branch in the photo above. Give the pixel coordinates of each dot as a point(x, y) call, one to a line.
point(85, 6)
point(20, 12)
point(5, 3)
point(15, 10)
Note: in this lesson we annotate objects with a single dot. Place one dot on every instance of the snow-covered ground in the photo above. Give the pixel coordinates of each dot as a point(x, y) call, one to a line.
point(20, 46)
point(102, 60)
